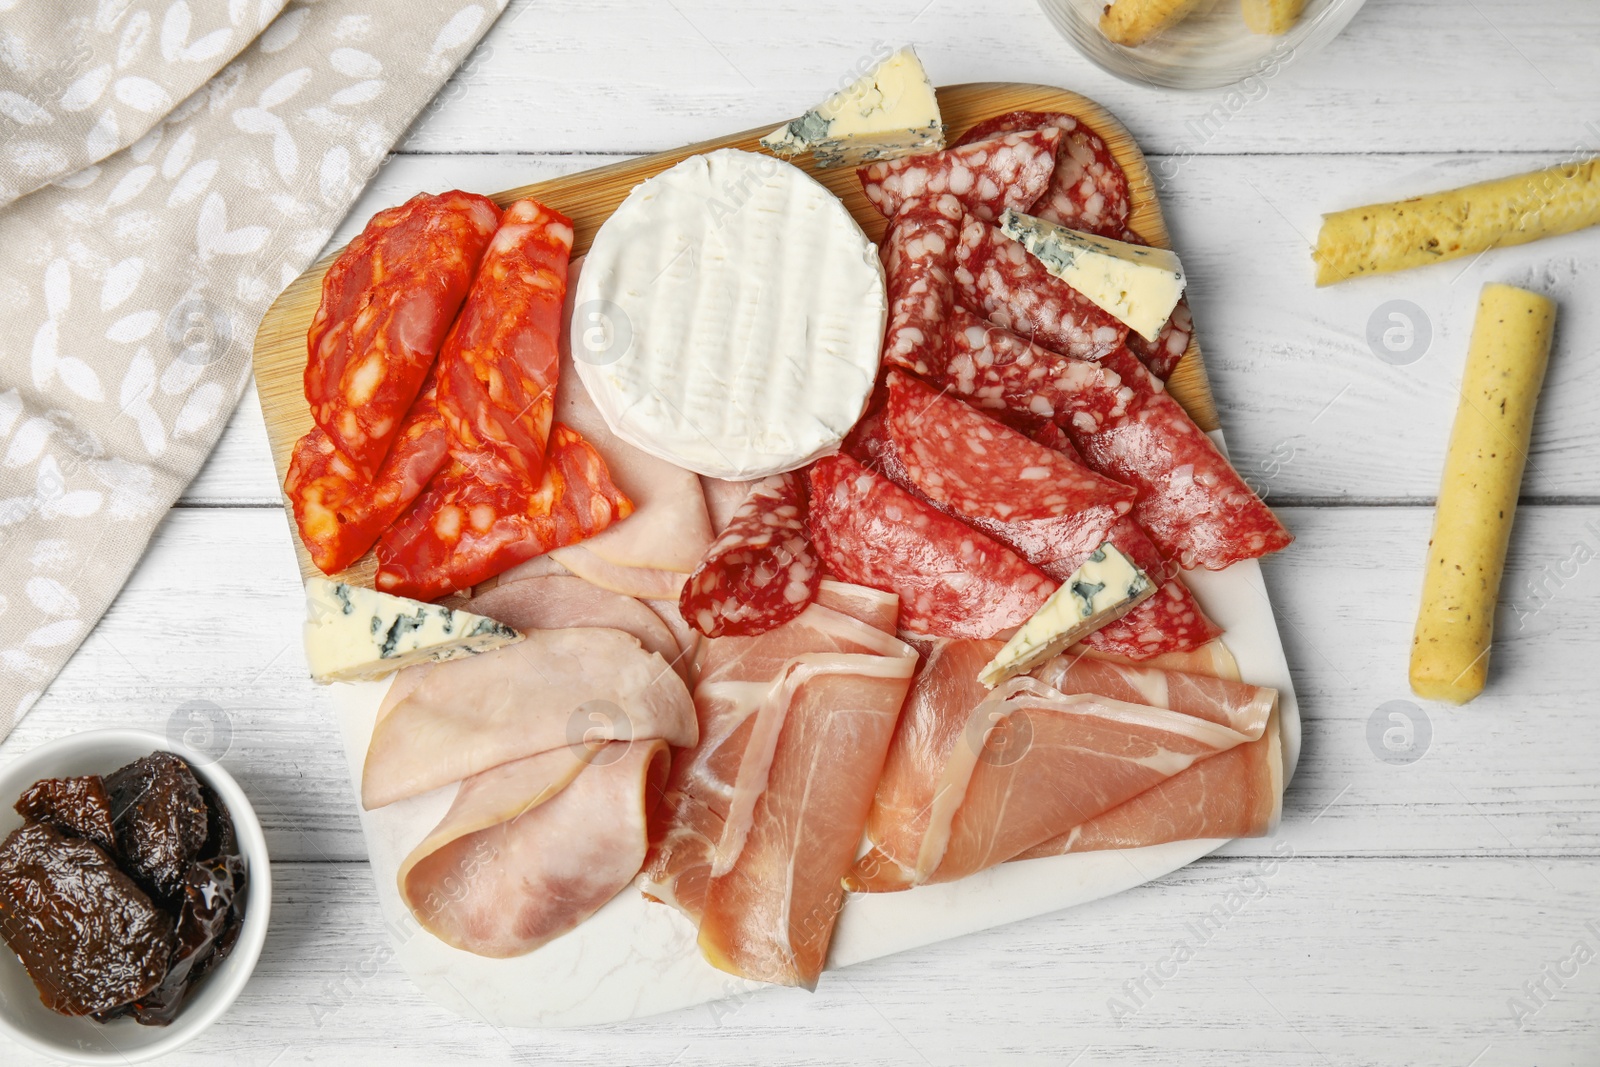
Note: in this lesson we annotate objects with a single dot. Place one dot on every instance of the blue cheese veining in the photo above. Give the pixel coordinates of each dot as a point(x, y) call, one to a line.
point(1106, 587)
point(890, 111)
point(1137, 284)
point(354, 634)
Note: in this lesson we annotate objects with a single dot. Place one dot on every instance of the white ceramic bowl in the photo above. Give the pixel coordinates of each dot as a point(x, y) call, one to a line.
point(23, 1017)
point(1210, 48)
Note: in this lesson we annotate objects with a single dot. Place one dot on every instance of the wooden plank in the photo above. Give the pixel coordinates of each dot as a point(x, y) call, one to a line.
point(213, 614)
point(589, 199)
point(1405, 76)
point(1305, 960)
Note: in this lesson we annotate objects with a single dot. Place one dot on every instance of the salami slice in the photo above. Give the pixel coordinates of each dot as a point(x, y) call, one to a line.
point(919, 254)
point(477, 519)
point(1162, 354)
point(1009, 170)
point(761, 571)
point(952, 580)
point(1191, 501)
point(387, 302)
point(339, 513)
point(981, 470)
point(1170, 621)
point(1089, 189)
point(497, 388)
point(993, 368)
point(997, 278)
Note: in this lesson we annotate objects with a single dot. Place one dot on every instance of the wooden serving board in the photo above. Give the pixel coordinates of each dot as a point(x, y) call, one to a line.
point(634, 958)
point(590, 197)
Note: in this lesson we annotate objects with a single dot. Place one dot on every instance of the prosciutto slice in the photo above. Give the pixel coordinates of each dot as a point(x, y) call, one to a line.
point(669, 529)
point(555, 687)
point(1238, 793)
point(532, 848)
point(761, 820)
point(1025, 764)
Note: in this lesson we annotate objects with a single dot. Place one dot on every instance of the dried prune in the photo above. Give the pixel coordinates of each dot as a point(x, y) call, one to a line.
point(89, 936)
point(160, 820)
point(78, 807)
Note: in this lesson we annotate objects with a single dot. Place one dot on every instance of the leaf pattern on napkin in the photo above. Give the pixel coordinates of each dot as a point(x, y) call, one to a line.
point(131, 287)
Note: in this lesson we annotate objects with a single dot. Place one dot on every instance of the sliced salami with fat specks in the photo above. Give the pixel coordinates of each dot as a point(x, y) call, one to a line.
point(1192, 502)
point(1089, 190)
point(1010, 170)
point(997, 278)
point(952, 580)
point(1170, 621)
point(761, 571)
point(993, 368)
point(979, 469)
point(919, 254)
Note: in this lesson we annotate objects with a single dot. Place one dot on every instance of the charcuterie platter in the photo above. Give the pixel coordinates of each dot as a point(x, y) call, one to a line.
point(908, 525)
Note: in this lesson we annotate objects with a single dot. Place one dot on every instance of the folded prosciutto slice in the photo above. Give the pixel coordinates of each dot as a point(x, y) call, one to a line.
point(983, 782)
point(761, 820)
point(557, 687)
point(1237, 793)
point(533, 847)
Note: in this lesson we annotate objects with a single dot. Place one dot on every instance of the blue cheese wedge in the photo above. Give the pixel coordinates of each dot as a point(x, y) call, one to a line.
point(355, 634)
point(1139, 285)
point(891, 111)
point(1105, 588)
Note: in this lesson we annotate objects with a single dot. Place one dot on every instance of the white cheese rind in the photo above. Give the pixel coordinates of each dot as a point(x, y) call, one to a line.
point(729, 316)
point(890, 111)
point(1137, 284)
point(1105, 588)
point(354, 634)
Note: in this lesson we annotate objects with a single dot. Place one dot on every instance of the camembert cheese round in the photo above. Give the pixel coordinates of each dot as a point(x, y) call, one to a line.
point(729, 316)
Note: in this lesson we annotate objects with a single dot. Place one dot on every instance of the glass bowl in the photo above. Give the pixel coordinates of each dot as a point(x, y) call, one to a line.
point(1210, 48)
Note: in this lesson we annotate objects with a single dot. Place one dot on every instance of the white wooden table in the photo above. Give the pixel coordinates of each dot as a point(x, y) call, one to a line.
point(1408, 910)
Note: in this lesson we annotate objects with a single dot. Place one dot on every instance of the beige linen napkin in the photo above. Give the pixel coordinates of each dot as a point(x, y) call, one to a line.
point(81, 79)
point(130, 292)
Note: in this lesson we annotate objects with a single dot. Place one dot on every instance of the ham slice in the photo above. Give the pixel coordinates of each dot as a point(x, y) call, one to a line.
point(762, 818)
point(1025, 764)
point(554, 602)
point(669, 529)
point(1238, 793)
point(532, 848)
point(555, 687)
point(723, 499)
point(645, 583)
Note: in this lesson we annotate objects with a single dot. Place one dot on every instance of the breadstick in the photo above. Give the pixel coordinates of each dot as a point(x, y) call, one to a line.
point(1459, 222)
point(1478, 494)
point(1271, 16)
point(1133, 22)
